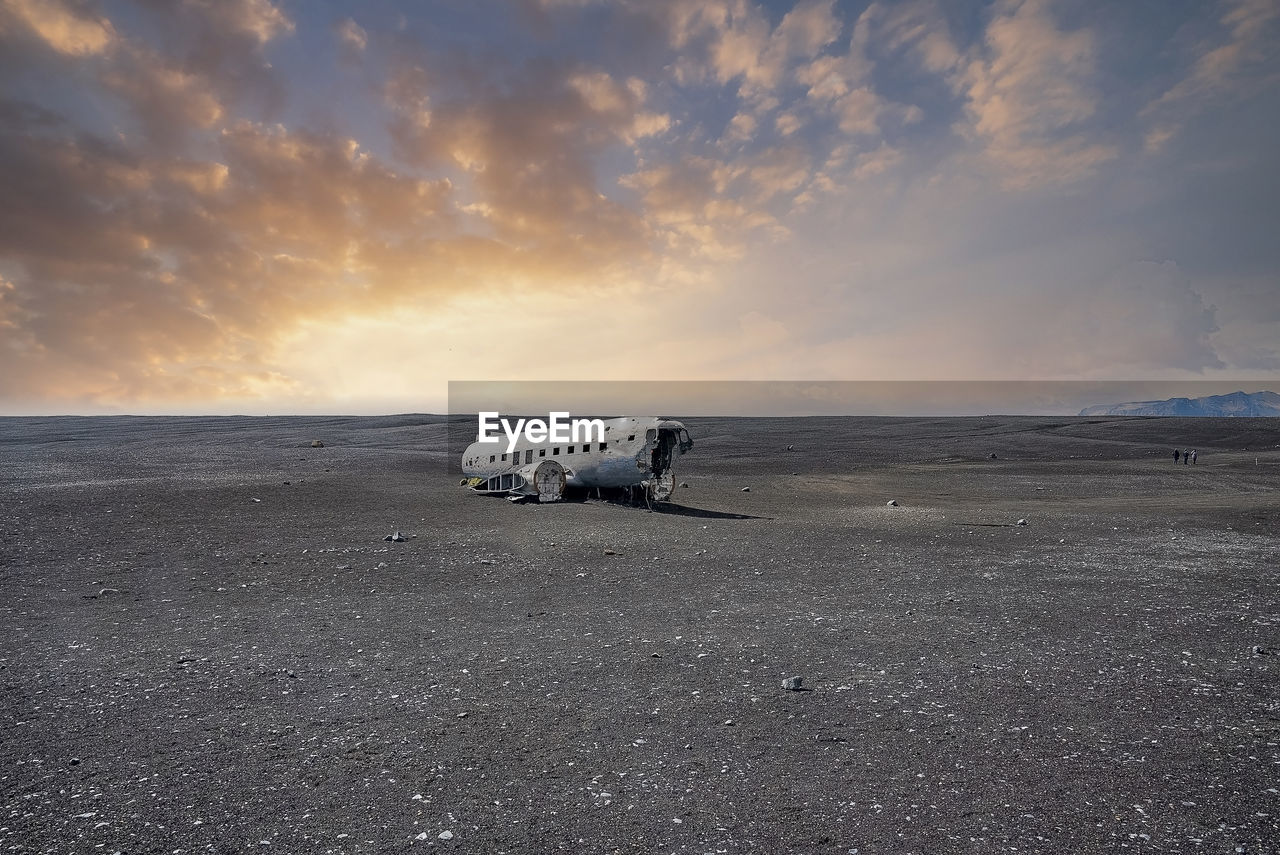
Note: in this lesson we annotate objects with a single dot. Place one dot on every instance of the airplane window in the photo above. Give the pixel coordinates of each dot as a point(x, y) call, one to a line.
point(603, 446)
point(570, 451)
point(586, 446)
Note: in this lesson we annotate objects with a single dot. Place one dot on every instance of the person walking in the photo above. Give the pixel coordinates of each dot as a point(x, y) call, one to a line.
point(1186, 457)
point(1176, 454)
point(1193, 457)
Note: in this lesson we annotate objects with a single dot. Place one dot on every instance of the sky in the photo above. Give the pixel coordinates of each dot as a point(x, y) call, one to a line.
point(249, 206)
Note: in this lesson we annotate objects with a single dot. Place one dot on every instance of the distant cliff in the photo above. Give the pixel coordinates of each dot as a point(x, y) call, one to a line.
point(1235, 404)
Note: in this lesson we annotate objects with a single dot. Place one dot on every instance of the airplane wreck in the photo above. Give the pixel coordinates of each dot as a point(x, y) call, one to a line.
point(634, 454)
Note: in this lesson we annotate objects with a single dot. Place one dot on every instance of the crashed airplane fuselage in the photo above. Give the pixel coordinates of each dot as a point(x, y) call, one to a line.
point(635, 452)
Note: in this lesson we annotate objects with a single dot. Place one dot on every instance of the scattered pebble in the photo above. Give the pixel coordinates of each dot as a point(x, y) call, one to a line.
point(445, 835)
point(1021, 522)
point(746, 490)
point(397, 537)
point(315, 443)
point(793, 684)
point(610, 552)
point(893, 503)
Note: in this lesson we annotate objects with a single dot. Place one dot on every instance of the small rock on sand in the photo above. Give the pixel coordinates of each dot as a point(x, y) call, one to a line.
point(445, 835)
point(893, 503)
point(1021, 522)
point(315, 443)
point(793, 684)
point(746, 490)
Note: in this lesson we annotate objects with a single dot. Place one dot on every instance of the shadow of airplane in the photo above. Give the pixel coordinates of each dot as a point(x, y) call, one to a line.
point(583, 497)
point(686, 511)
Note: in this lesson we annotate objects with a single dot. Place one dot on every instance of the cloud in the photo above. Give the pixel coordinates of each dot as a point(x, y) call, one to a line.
point(1225, 67)
point(351, 36)
point(875, 162)
point(788, 123)
point(259, 20)
point(189, 216)
point(918, 26)
point(207, 55)
point(741, 127)
point(1028, 90)
point(167, 100)
point(68, 28)
point(809, 27)
point(1144, 316)
point(740, 44)
point(528, 154)
point(694, 207)
point(178, 262)
point(1027, 87)
point(133, 273)
point(841, 86)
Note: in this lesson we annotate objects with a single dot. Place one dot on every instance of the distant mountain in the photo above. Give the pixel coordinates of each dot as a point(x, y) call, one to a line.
point(1235, 404)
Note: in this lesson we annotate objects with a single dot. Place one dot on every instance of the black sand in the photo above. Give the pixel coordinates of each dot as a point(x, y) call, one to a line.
point(185, 669)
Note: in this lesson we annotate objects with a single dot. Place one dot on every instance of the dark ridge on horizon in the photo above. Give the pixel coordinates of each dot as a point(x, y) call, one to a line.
point(1234, 405)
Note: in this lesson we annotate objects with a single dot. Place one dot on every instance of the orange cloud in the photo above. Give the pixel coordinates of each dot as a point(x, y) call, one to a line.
point(67, 28)
point(1027, 91)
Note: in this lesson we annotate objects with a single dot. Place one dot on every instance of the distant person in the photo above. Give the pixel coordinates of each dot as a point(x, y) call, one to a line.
point(1193, 457)
point(1186, 458)
point(1176, 455)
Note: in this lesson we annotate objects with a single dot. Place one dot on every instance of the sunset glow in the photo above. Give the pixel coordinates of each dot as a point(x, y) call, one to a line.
point(251, 206)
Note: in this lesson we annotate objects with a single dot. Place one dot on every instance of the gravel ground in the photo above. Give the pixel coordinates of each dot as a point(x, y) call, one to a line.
point(207, 646)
